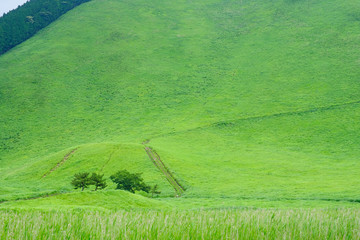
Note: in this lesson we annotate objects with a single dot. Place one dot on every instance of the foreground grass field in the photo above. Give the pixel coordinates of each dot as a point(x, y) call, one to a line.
point(215, 224)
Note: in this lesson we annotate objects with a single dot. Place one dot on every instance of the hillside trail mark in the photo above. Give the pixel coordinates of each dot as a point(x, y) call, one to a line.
point(67, 156)
point(110, 157)
point(155, 158)
point(37, 197)
point(261, 117)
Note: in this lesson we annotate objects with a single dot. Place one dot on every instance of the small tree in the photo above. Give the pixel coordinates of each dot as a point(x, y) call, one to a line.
point(154, 190)
point(98, 180)
point(81, 180)
point(129, 181)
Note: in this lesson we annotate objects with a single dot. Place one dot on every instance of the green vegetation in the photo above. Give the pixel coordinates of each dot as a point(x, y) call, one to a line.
point(249, 104)
point(154, 190)
point(100, 200)
point(22, 23)
point(214, 224)
point(81, 180)
point(286, 157)
point(52, 175)
point(241, 100)
point(129, 181)
point(98, 181)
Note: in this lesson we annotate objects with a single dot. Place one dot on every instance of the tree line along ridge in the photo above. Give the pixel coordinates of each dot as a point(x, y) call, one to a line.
point(25, 21)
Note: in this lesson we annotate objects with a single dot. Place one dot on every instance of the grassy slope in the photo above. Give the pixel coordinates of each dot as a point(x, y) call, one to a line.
point(124, 71)
point(304, 156)
point(104, 200)
point(36, 178)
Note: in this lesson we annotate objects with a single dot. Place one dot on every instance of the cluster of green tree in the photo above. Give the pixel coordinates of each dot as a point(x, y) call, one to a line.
point(20, 24)
point(84, 180)
point(123, 179)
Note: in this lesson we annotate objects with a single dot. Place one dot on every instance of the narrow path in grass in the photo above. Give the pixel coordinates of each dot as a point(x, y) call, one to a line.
point(66, 157)
point(261, 117)
point(46, 195)
point(110, 157)
point(155, 158)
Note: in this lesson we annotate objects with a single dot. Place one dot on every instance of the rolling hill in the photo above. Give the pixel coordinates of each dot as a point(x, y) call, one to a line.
point(247, 103)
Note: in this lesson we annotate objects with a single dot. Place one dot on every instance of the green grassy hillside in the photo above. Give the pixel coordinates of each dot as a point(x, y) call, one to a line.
point(53, 173)
point(253, 102)
point(93, 201)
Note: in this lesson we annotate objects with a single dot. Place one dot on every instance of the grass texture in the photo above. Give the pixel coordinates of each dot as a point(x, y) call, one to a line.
point(251, 100)
point(215, 224)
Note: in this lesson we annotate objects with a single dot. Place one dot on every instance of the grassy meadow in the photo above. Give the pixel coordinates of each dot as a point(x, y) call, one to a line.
point(252, 105)
point(213, 224)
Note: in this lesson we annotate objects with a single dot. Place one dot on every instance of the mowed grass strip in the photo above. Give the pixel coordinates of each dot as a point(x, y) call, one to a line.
point(211, 224)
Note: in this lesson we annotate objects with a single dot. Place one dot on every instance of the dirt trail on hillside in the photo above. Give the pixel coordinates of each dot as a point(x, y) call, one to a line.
point(66, 157)
point(155, 158)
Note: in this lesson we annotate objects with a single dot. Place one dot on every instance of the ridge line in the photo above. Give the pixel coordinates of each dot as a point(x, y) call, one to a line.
point(274, 115)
